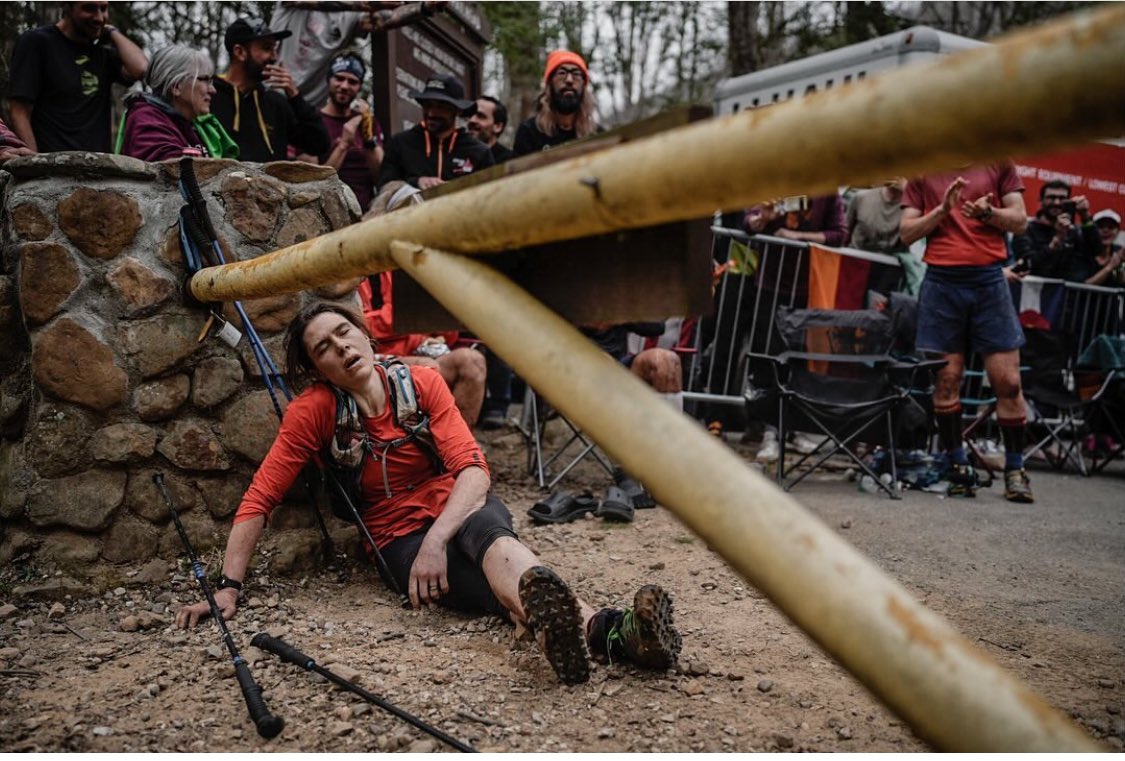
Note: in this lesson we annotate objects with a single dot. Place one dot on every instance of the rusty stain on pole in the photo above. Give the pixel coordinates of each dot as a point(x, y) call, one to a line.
point(1017, 96)
point(950, 693)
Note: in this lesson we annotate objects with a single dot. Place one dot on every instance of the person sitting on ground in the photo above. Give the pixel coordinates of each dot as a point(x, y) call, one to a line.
point(463, 369)
point(1110, 256)
point(158, 124)
point(446, 539)
point(10, 144)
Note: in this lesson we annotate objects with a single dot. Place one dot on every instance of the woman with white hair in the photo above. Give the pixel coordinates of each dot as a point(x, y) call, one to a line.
point(175, 112)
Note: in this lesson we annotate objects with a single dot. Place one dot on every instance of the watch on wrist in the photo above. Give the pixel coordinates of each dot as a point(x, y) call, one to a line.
point(228, 583)
point(986, 215)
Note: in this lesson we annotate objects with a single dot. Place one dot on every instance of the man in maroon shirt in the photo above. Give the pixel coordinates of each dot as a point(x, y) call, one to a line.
point(353, 132)
point(965, 305)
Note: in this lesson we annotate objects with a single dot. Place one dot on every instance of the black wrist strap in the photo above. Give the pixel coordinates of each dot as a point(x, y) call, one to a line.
point(228, 583)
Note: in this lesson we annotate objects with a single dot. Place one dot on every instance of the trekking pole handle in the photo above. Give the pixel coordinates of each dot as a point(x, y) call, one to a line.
point(268, 724)
point(283, 650)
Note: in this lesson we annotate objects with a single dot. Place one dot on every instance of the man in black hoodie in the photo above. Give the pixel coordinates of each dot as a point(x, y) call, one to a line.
point(437, 150)
point(257, 101)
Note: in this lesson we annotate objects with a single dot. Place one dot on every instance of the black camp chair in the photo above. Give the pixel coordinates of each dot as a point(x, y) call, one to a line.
point(837, 377)
point(1060, 412)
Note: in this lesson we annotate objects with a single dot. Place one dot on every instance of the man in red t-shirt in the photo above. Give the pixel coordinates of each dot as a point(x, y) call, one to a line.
point(965, 305)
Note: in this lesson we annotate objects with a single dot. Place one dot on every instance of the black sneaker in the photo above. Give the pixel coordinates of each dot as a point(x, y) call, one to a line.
point(492, 420)
point(962, 481)
point(643, 634)
point(1017, 486)
point(555, 619)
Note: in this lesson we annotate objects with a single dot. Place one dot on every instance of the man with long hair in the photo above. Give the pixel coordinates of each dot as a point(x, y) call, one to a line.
point(565, 107)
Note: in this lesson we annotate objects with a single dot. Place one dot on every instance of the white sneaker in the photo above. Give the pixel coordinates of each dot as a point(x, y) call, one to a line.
point(769, 450)
point(803, 443)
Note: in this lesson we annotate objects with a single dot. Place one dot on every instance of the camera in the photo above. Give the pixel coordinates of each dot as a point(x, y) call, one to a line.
point(1070, 207)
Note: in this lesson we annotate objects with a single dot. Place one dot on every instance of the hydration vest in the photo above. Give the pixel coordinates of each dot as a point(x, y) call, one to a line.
point(351, 445)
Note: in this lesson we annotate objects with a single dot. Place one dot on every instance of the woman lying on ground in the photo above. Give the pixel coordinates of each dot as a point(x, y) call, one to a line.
point(446, 539)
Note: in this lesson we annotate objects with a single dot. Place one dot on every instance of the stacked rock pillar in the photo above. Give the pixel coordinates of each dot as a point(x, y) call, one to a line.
point(103, 380)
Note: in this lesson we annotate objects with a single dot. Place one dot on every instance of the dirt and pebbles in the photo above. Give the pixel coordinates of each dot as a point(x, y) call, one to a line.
point(1039, 588)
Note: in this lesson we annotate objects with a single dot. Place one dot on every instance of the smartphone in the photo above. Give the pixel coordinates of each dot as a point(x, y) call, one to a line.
point(1021, 266)
point(791, 204)
point(1070, 207)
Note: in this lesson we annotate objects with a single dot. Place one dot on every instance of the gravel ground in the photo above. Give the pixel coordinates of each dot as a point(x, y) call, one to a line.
point(89, 667)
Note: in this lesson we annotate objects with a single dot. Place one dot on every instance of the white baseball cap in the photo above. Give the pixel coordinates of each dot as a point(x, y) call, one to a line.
point(1108, 214)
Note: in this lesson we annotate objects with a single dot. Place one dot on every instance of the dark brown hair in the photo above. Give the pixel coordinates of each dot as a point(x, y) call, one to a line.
point(298, 364)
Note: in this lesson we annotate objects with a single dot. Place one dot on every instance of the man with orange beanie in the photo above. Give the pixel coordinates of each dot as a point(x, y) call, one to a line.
point(565, 106)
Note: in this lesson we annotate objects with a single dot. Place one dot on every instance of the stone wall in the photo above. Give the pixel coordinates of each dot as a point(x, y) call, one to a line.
point(102, 379)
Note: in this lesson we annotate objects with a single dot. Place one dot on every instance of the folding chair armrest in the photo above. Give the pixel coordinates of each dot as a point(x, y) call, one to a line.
point(908, 373)
point(870, 360)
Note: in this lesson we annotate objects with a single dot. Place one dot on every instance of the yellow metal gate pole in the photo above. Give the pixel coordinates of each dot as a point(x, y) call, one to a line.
point(946, 689)
point(1053, 86)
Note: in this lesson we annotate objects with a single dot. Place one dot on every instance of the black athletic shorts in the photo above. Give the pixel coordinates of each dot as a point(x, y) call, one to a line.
point(468, 588)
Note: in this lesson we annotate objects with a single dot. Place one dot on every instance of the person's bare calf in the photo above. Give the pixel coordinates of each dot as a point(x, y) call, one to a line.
point(464, 372)
point(659, 368)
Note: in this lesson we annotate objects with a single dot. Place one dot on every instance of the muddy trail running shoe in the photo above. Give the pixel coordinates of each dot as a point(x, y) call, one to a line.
point(962, 481)
point(1017, 486)
point(555, 619)
point(644, 634)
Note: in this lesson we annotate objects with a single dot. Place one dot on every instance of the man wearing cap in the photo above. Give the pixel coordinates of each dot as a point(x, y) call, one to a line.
point(488, 124)
point(1110, 257)
point(257, 101)
point(437, 150)
point(354, 132)
point(1057, 244)
point(565, 106)
point(59, 86)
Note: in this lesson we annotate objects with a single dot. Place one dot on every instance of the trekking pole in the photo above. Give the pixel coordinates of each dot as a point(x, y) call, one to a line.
point(381, 566)
point(267, 723)
point(290, 654)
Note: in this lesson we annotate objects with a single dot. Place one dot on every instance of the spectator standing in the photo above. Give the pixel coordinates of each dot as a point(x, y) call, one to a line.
point(965, 305)
point(1110, 259)
point(353, 131)
point(158, 125)
point(1056, 244)
point(873, 217)
point(437, 150)
point(61, 77)
point(565, 109)
point(488, 124)
point(257, 102)
point(10, 144)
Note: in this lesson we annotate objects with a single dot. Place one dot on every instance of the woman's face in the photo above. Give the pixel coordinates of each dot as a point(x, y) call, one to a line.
point(193, 96)
point(340, 351)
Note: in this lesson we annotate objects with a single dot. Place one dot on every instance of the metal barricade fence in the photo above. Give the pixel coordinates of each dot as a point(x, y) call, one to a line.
point(763, 273)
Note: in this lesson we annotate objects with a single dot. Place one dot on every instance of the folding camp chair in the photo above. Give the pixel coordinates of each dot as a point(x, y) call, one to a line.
point(537, 413)
point(837, 377)
point(1100, 381)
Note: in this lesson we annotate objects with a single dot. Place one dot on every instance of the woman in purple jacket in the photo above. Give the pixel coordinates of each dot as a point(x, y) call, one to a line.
point(159, 124)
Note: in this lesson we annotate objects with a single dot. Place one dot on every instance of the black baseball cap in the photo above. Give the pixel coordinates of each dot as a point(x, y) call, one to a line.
point(244, 30)
point(446, 88)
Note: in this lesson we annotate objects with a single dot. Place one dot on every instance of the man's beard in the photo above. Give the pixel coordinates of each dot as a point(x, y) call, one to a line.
point(565, 102)
point(255, 71)
point(437, 126)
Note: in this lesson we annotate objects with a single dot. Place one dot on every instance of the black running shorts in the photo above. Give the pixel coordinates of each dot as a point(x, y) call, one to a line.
point(468, 588)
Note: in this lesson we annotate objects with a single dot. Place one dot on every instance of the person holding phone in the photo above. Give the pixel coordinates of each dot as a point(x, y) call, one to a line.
point(1061, 241)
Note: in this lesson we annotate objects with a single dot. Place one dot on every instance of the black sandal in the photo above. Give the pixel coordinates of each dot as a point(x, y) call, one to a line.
point(562, 507)
point(637, 494)
point(616, 506)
